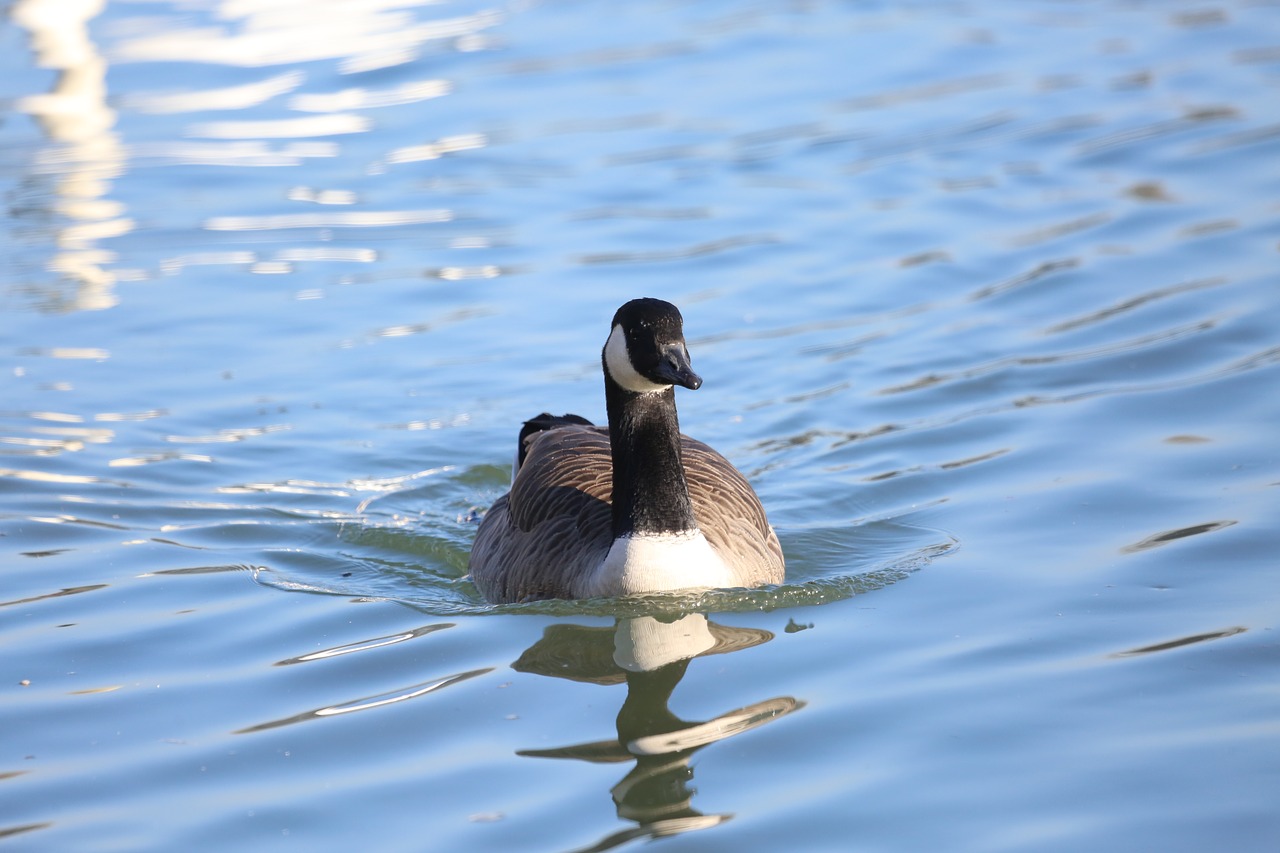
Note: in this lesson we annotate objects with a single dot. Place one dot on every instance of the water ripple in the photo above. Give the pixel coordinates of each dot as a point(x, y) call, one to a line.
point(367, 703)
point(1182, 642)
point(1165, 537)
point(1133, 302)
point(366, 645)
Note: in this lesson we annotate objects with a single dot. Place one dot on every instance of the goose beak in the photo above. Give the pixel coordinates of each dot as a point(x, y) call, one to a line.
point(674, 367)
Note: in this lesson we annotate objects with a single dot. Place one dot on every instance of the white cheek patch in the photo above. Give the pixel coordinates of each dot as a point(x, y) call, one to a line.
point(618, 362)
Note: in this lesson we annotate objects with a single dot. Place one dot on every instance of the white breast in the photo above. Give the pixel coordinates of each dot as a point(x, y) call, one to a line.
point(658, 563)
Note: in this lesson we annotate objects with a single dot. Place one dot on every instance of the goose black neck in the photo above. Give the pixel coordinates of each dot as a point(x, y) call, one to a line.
point(650, 494)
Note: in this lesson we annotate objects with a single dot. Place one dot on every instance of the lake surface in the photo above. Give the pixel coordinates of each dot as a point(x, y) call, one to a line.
point(986, 298)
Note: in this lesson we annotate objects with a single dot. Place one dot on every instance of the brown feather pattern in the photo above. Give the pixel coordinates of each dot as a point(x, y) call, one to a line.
point(545, 537)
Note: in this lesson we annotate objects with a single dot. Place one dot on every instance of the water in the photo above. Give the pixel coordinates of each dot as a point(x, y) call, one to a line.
point(985, 301)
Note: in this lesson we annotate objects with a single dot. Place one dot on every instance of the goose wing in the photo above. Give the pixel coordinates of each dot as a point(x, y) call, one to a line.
point(554, 526)
point(731, 516)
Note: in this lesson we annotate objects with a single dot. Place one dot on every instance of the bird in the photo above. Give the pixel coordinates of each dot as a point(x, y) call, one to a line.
point(632, 508)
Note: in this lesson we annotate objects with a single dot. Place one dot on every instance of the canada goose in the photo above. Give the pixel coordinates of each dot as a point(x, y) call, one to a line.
point(633, 508)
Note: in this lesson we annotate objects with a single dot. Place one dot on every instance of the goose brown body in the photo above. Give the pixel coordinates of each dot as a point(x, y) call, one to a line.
point(545, 538)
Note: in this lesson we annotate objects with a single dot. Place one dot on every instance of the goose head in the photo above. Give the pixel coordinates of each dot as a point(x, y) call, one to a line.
point(646, 351)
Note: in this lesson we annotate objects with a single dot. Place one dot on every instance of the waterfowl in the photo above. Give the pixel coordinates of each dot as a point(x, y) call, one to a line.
point(635, 507)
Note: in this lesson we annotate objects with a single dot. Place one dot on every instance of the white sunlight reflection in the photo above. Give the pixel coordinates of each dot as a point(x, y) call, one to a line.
point(41, 446)
point(152, 458)
point(336, 219)
point(364, 99)
point(326, 253)
point(173, 266)
point(285, 128)
point(88, 353)
point(90, 435)
point(47, 477)
point(439, 148)
point(237, 153)
point(85, 154)
point(226, 98)
point(361, 34)
point(321, 196)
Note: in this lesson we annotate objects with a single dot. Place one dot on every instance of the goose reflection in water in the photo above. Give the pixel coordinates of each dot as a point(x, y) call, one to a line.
point(651, 657)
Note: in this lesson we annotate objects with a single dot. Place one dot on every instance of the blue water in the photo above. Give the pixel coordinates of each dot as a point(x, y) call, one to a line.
point(985, 301)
